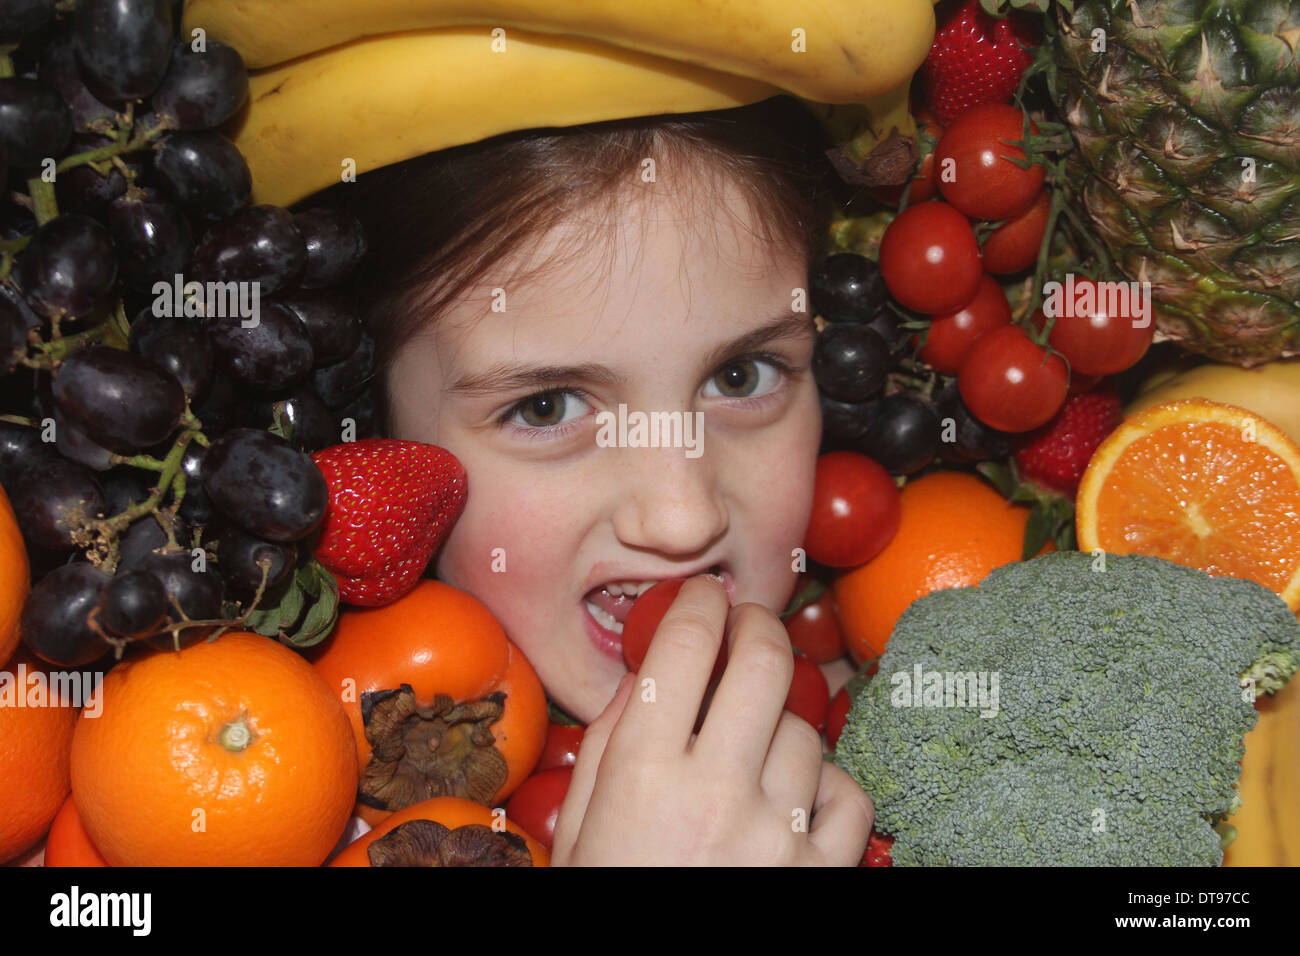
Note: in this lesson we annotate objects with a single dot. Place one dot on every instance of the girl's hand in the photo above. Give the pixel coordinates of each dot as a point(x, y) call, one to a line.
point(751, 789)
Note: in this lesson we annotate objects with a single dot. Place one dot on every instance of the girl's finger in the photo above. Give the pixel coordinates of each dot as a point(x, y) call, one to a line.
point(842, 818)
point(670, 686)
point(793, 770)
point(574, 808)
point(750, 698)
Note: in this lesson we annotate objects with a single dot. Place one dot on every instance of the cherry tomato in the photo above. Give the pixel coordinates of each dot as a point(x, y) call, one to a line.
point(1013, 246)
point(1011, 384)
point(837, 716)
point(976, 172)
point(855, 513)
point(810, 695)
point(561, 747)
point(536, 804)
point(1096, 338)
point(953, 334)
point(930, 259)
point(815, 630)
point(644, 619)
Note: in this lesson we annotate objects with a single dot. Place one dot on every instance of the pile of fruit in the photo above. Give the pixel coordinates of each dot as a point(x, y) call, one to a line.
point(189, 496)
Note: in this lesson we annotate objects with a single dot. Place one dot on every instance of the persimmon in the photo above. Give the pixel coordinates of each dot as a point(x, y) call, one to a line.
point(445, 831)
point(68, 843)
point(441, 702)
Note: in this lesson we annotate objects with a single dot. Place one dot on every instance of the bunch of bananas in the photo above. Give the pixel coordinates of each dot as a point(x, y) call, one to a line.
point(339, 86)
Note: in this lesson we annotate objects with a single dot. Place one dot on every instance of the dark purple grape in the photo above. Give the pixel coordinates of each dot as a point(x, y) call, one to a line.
point(152, 238)
point(195, 507)
point(336, 244)
point(904, 437)
point(55, 620)
point(16, 322)
point(886, 324)
point(16, 221)
point(238, 553)
point(73, 443)
point(81, 188)
point(260, 244)
point(52, 498)
point(204, 172)
point(18, 18)
point(850, 362)
point(312, 425)
point(342, 382)
point(265, 485)
point(332, 325)
point(21, 448)
point(217, 408)
point(971, 440)
point(123, 46)
point(177, 346)
point(202, 89)
point(145, 534)
point(124, 486)
point(35, 123)
point(68, 266)
point(199, 593)
point(59, 69)
point(847, 287)
point(118, 396)
point(133, 605)
point(362, 412)
point(275, 353)
point(847, 422)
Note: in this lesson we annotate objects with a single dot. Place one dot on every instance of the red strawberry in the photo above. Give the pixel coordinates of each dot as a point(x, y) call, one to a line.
point(1056, 454)
point(391, 504)
point(975, 59)
point(879, 850)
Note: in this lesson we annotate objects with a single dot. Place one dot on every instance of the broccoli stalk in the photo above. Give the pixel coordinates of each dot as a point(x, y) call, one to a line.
point(1068, 711)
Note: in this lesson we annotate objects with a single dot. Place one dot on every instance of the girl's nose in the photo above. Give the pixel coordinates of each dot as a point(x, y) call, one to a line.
point(668, 502)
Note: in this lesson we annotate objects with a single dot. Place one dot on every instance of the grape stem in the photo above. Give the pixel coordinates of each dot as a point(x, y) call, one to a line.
point(6, 61)
point(140, 140)
point(54, 352)
point(44, 203)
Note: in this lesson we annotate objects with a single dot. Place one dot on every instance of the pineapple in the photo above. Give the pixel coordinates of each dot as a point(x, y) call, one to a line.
point(1188, 128)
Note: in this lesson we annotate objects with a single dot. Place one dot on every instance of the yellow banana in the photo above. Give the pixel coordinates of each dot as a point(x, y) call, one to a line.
point(1268, 823)
point(381, 100)
point(830, 51)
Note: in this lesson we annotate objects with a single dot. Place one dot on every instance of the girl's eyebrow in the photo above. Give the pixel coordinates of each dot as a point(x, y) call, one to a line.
point(788, 326)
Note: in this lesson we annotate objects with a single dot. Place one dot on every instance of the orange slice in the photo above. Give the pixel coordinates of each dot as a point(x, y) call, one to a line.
point(1210, 486)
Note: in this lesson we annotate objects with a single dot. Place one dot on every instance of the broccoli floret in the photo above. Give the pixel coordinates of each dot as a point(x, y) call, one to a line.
point(1069, 712)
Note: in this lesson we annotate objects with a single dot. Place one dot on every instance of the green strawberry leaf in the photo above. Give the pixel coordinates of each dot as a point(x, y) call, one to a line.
point(558, 716)
point(1000, 476)
point(1037, 530)
point(312, 588)
point(811, 592)
point(282, 427)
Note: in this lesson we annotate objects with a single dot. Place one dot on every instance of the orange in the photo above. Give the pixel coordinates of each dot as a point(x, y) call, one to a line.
point(451, 812)
point(68, 843)
point(1206, 485)
point(34, 747)
point(955, 529)
point(228, 753)
point(15, 578)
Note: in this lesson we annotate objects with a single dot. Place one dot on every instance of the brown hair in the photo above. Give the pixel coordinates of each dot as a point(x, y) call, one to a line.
point(437, 223)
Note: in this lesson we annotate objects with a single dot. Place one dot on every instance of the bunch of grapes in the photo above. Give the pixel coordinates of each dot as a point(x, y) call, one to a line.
point(170, 354)
point(877, 398)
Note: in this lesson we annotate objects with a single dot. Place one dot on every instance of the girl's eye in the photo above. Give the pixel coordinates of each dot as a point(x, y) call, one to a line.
point(545, 409)
point(746, 377)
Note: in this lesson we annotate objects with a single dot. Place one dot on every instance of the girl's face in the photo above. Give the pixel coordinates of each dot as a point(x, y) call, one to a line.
point(688, 312)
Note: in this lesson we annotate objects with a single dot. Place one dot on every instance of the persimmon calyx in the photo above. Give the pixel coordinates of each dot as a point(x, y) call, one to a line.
point(429, 843)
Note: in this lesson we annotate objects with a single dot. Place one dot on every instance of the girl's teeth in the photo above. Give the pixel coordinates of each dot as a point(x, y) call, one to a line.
point(604, 618)
point(630, 588)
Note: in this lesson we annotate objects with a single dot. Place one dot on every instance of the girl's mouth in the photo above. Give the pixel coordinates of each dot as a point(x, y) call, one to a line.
point(607, 606)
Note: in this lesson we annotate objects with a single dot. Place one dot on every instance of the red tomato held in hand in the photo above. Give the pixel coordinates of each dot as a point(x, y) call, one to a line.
point(535, 806)
point(561, 747)
point(810, 695)
point(1096, 332)
point(1011, 384)
point(837, 716)
point(856, 510)
point(953, 334)
point(976, 172)
point(929, 258)
point(644, 619)
point(1014, 245)
point(815, 630)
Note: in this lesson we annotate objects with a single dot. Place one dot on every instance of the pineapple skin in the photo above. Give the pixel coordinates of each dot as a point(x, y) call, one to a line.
point(1188, 125)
